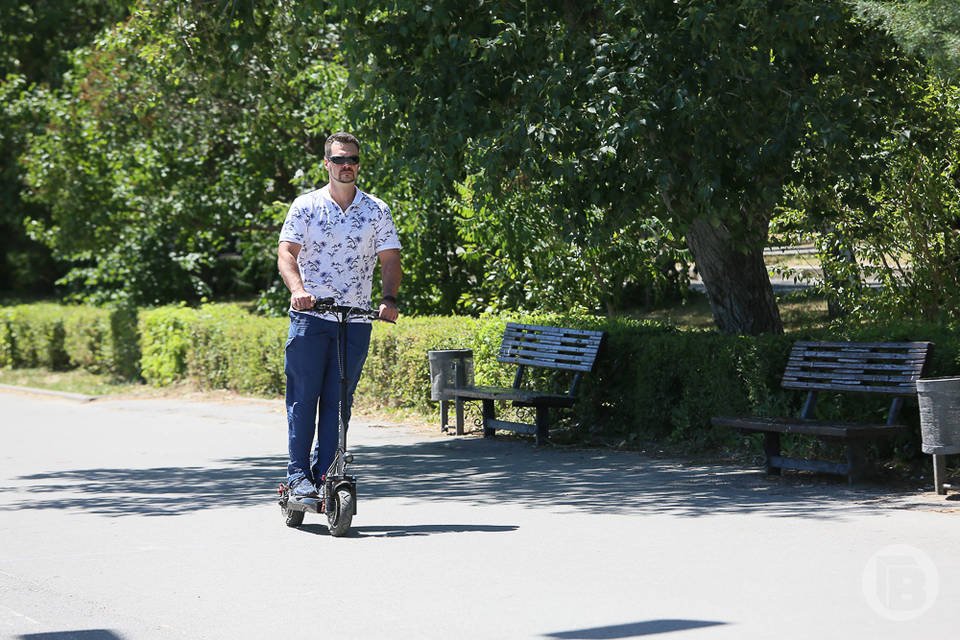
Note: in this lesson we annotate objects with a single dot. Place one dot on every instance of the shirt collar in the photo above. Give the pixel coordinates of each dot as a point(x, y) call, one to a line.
point(325, 194)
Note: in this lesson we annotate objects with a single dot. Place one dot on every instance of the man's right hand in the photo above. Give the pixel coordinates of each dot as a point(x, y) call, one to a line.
point(301, 300)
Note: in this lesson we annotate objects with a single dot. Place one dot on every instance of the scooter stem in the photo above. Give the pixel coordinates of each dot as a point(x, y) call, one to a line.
point(342, 347)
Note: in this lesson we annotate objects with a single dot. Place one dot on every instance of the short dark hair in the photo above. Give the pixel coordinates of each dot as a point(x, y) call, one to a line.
point(343, 138)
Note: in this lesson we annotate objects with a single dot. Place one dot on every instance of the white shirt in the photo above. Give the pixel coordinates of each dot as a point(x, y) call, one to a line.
point(339, 248)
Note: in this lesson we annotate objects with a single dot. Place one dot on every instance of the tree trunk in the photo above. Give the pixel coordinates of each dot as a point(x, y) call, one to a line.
point(736, 278)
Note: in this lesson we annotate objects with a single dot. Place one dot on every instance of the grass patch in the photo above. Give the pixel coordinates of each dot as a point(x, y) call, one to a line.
point(798, 311)
point(75, 381)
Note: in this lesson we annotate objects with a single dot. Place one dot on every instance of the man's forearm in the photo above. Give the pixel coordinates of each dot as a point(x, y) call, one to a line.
point(289, 271)
point(287, 264)
point(390, 273)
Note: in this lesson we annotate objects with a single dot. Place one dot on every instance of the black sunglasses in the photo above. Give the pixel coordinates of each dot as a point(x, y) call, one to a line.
point(344, 159)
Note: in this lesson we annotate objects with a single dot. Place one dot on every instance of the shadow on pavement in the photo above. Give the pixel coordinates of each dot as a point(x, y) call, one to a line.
point(87, 634)
point(633, 630)
point(403, 531)
point(467, 470)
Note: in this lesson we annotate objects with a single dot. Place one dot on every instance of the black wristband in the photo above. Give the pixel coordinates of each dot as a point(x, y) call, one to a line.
point(389, 299)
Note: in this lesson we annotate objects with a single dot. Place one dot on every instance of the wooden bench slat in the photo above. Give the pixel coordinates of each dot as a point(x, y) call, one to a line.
point(849, 375)
point(872, 355)
point(869, 345)
point(533, 361)
point(905, 390)
point(590, 351)
point(855, 371)
point(547, 334)
point(549, 353)
point(506, 425)
point(558, 330)
point(540, 346)
point(549, 339)
point(880, 366)
point(549, 365)
point(854, 352)
point(547, 357)
point(820, 428)
point(549, 348)
point(510, 394)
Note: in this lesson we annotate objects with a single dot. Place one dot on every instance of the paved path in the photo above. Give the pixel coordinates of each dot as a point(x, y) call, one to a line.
point(129, 519)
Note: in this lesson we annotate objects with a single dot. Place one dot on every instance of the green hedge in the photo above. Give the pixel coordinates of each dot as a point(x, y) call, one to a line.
point(215, 346)
point(64, 337)
point(653, 383)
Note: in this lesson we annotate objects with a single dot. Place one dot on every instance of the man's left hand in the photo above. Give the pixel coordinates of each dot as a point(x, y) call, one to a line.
point(389, 311)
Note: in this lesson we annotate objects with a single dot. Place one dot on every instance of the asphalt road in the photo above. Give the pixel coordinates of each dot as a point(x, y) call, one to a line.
point(156, 518)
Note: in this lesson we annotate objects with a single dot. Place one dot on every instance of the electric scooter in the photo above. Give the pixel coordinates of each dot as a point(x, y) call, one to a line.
point(339, 501)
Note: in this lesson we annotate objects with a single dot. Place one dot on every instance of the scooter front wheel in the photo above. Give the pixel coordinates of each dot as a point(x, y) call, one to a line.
point(339, 519)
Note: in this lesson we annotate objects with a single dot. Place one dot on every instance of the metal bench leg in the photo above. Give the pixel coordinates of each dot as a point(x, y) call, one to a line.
point(543, 427)
point(444, 414)
point(856, 461)
point(771, 449)
point(489, 413)
point(459, 404)
point(939, 473)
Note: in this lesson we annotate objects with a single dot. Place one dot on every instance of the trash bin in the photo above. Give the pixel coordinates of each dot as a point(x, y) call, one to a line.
point(449, 369)
point(939, 400)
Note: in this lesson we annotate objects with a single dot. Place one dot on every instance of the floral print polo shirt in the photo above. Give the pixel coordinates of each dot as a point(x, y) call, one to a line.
point(339, 248)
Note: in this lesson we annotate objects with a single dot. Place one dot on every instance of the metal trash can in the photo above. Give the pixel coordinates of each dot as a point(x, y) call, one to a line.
point(939, 400)
point(449, 369)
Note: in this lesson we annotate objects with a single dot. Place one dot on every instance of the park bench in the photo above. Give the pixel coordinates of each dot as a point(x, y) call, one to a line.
point(889, 369)
point(531, 346)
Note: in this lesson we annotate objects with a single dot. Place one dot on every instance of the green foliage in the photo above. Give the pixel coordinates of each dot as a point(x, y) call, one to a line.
point(232, 350)
point(35, 43)
point(532, 261)
point(165, 343)
point(37, 37)
point(34, 336)
point(63, 336)
point(165, 148)
point(214, 346)
point(929, 28)
point(892, 217)
point(597, 115)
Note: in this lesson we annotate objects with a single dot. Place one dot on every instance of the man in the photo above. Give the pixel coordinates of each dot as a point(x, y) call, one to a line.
point(329, 246)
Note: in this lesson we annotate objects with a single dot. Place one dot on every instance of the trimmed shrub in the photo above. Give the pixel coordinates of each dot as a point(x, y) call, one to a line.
point(164, 344)
point(216, 346)
point(652, 383)
point(34, 336)
point(65, 336)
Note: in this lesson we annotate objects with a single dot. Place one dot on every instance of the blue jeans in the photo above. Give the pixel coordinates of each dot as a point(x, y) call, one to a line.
point(312, 367)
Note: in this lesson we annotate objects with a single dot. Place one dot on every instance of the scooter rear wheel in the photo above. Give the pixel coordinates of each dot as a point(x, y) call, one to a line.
point(340, 518)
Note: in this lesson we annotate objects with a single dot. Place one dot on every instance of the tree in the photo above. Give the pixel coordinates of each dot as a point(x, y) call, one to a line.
point(928, 28)
point(35, 43)
point(889, 210)
point(691, 111)
point(181, 137)
point(171, 140)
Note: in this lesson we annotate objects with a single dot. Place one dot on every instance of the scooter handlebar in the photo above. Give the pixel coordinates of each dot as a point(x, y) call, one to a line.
point(327, 305)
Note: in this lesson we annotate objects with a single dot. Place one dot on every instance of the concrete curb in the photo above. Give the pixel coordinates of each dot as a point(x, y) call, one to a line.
point(76, 397)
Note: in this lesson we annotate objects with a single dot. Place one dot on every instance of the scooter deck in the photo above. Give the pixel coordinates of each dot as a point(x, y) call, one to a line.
point(309, 505)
